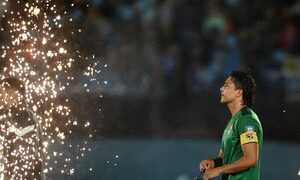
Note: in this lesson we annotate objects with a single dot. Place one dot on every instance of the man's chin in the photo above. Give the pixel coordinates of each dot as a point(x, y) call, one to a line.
point(222, 101)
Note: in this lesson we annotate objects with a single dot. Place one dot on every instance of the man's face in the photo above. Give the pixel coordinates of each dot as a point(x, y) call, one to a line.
point(9, 97)
point(229, 93)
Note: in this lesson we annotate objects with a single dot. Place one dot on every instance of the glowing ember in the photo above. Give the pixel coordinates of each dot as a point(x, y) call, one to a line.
point(36, 11)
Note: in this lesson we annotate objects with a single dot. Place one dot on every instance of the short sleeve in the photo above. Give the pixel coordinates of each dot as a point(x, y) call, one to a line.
point(248, 130)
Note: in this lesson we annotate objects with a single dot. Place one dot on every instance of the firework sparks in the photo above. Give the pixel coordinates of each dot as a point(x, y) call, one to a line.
point(40, 58)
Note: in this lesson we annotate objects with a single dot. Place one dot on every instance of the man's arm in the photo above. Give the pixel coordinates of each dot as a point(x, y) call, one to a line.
point(248, 160)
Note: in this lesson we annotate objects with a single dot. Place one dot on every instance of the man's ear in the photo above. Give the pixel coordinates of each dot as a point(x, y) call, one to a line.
point(240, 93)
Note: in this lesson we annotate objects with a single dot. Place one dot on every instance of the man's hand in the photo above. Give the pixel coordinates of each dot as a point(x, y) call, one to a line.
point(211, 173)
point(206, 164)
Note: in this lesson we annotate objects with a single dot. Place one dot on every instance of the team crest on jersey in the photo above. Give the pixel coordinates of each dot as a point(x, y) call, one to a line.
point(249, 132)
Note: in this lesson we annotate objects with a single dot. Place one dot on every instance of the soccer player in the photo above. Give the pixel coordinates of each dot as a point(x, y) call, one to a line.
point(21, 155)
point(239, 156)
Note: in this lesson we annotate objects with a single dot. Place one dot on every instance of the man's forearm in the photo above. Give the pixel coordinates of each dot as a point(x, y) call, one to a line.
point(237, 166)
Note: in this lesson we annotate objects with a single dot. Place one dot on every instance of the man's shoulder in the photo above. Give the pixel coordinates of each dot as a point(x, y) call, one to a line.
point(248, 117)
point(247, 113)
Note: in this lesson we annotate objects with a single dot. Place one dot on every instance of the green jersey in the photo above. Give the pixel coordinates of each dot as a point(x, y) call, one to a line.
point(244, 127)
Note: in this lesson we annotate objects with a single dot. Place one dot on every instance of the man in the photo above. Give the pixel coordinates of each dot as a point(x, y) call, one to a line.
point(240, 152)
point(20, 135)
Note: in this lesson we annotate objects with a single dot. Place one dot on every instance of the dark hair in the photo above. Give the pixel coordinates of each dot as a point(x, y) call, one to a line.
point(243, 80)
point(14, 83)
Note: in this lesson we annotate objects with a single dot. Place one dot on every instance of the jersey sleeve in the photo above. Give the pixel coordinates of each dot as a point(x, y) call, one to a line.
point(248, 130)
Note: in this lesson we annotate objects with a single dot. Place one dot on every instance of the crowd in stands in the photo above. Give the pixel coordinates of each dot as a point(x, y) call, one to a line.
point(190, 46)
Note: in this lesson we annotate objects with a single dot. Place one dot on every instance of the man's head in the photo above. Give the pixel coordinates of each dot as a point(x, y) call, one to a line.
point(239, 86)
point(12, 92)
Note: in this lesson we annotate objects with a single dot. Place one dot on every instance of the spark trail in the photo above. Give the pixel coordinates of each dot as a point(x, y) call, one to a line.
point(36, 49)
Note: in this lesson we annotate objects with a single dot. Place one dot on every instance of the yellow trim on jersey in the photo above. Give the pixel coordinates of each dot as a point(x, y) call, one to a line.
point(248, 137)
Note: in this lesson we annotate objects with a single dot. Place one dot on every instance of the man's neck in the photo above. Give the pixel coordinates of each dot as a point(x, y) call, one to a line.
point(235, 107)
